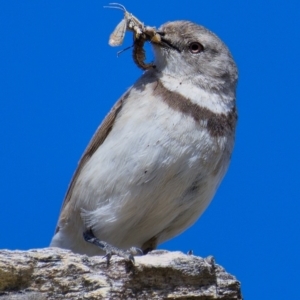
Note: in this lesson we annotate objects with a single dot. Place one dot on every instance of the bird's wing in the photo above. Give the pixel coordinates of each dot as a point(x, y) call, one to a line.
point(96, 141)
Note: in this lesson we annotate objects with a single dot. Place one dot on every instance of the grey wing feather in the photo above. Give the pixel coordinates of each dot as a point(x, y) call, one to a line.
point(96, 141)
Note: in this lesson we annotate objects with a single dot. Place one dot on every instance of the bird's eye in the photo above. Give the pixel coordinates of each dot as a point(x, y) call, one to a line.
point(195, 47)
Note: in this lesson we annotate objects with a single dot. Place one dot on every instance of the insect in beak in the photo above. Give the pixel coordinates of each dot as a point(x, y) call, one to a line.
point(129, 22)
point(141, 34)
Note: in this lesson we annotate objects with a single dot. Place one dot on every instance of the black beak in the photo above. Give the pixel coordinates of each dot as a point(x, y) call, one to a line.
point(165, 42)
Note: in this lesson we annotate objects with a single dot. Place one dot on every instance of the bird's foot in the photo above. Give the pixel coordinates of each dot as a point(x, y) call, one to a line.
point(111, 250)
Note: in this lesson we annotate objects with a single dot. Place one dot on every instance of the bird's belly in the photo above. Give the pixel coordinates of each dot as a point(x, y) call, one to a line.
point(140, 185)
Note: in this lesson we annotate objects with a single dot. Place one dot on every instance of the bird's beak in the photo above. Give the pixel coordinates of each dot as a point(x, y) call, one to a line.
point(159, 38)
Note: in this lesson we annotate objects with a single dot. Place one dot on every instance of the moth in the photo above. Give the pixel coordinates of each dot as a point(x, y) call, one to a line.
point(129, 22)
point(141, 32)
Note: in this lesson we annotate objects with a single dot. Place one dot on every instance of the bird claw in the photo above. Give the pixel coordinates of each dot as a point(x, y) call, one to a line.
point(136, 251)
point(109, 249)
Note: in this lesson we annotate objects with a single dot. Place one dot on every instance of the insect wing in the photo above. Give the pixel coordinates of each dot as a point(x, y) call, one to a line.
point(117, 36)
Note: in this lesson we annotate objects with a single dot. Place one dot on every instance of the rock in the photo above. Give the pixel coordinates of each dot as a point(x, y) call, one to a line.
point(53, 273)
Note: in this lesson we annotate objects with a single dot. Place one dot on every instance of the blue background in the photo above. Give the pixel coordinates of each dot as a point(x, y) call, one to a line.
point(59, 78)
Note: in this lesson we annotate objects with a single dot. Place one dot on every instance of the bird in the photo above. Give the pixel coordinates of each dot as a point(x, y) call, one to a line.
point(156, 160)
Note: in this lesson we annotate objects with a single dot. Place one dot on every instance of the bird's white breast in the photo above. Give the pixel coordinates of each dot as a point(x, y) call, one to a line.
point(136, 185)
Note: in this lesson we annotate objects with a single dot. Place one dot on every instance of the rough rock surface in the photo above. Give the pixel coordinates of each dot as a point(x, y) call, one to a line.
point(53, 273)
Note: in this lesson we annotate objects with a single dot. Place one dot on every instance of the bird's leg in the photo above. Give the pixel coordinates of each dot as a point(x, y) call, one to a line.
point(109, 249)
point(149, 245)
